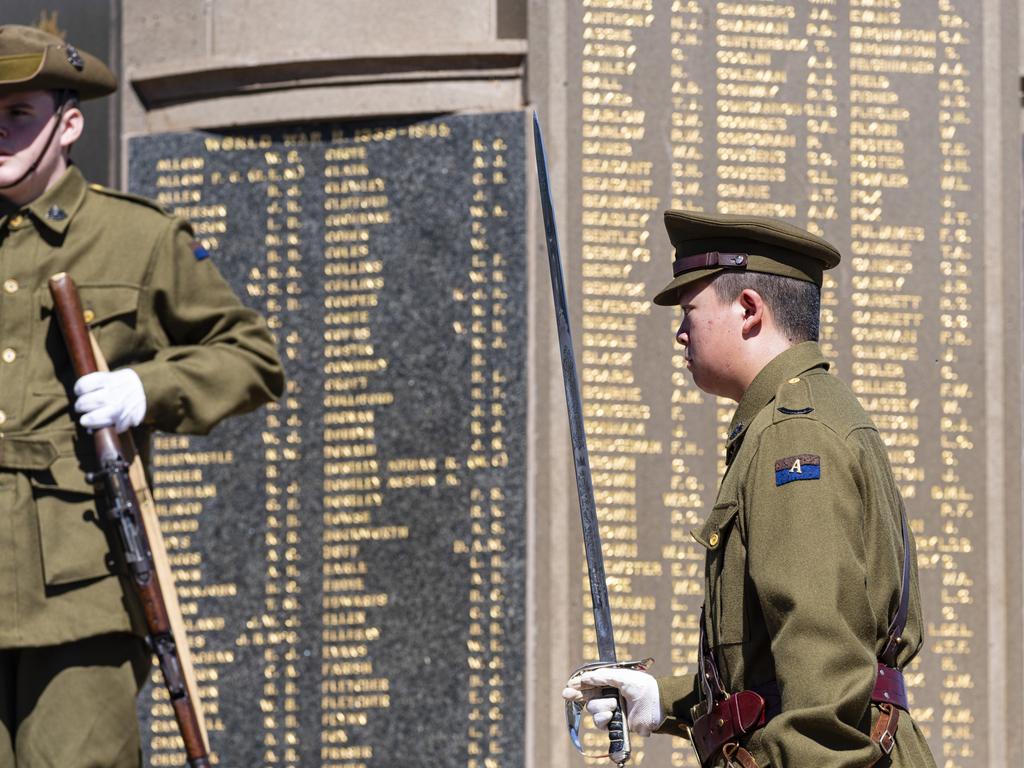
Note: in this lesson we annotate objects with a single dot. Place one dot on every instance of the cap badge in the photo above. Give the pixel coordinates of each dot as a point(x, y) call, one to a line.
point(74, 57)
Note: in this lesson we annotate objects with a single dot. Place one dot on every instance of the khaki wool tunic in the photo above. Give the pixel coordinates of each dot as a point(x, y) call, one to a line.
point(154, 303)
point(802, 578)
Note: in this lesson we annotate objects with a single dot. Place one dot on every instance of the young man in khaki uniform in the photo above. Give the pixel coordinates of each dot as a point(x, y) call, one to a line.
point(183, 352)
point(812, 605)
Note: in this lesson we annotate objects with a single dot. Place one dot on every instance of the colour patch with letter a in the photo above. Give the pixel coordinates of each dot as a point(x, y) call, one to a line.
point(806, 466)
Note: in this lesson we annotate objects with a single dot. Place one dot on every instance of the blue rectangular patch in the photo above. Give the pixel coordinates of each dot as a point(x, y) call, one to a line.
point(199, 251)
point(806, 466)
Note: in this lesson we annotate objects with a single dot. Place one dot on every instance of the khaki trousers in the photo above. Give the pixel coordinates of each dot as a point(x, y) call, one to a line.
point(72, 705)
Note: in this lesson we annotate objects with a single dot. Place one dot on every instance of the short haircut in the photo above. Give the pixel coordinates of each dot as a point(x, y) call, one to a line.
point(795, 304)
point(64, 97)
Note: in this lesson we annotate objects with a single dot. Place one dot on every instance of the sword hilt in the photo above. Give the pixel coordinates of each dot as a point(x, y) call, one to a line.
point(619, 746)
point(618, 734)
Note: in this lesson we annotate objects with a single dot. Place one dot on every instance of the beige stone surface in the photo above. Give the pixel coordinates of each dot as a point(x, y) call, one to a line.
point(156, 33)
point(258, 28)
point(204, 64)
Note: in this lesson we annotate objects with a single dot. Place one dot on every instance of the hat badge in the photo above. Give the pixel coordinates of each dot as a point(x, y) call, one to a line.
point(74, 57)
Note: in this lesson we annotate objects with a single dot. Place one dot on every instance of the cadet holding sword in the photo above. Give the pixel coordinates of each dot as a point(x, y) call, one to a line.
point(811, 607)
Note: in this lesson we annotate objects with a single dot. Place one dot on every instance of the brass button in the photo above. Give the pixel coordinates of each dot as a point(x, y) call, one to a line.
point(16, 221)
point(3, 417)
point(8, 355)
point(11, 285)
point(794, 381)
point(713, 539)
point(88, 315)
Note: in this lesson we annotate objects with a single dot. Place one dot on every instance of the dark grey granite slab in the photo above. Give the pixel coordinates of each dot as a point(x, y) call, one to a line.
point(354, 568)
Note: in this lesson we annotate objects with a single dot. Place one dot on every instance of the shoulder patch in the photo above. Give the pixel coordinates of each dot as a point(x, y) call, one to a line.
point(129, 197)
point(199, 250)
point(795, 411)
point(806, 466)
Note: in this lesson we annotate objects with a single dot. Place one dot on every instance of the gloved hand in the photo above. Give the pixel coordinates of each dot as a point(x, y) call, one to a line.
point(639, 689)
point(111, 399)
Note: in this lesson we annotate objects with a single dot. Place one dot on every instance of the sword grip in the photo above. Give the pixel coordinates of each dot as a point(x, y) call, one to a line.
point(618, 733)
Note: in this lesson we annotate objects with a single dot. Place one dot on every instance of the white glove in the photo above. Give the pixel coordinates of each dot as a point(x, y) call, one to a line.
point(639, 689)
point(111, 399)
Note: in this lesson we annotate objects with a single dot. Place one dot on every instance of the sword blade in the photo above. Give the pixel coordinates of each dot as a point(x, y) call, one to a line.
point(574, 403)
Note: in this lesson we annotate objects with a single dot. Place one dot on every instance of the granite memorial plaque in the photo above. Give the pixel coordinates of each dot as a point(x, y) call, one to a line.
point(350, 560)
point(862, 121)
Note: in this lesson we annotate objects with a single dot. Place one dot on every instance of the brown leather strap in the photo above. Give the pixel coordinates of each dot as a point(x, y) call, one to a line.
point(725, 722)
point(890, 688)
point(884, 732)
point(899, 621)
point(735, 755)
point(709, 260)
point(710, 680)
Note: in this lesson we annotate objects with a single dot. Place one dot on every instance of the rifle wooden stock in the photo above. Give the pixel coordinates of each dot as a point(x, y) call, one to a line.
point(119, 474)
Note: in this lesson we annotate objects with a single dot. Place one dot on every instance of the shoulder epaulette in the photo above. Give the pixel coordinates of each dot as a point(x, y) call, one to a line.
point(793, 398)
point(130, 198)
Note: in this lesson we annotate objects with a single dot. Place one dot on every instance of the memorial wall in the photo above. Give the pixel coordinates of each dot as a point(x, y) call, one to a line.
point(860, 120)
point(350, 560)
point(374, 569)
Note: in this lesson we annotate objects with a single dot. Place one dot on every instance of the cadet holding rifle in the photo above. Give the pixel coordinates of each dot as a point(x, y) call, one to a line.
point(184, 354)
point(811, 607)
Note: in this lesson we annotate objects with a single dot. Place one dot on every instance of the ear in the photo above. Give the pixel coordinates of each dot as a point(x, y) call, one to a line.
point(753, 308)
point(72, 125)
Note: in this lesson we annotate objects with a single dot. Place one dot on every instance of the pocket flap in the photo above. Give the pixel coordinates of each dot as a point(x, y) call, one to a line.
point(100, 301)
point(721, 517)
point(74, 545)
point(64, 474)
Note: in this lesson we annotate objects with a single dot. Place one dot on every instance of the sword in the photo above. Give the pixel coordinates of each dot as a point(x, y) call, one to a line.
point(618, 734)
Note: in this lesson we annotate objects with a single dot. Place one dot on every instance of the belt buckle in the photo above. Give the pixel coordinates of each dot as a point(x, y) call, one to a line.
point(887, 741)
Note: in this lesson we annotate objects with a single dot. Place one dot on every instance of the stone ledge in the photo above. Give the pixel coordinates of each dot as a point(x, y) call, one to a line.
point(331, 102)
point(175, 83)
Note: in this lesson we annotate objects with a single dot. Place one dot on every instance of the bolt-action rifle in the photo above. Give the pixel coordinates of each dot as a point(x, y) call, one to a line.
point(117, 480)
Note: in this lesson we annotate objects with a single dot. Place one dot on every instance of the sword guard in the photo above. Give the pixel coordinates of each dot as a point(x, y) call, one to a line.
point(618, 732)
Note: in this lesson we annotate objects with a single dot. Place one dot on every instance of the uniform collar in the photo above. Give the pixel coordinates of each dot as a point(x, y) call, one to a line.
point(55, 208)
point(796, 360)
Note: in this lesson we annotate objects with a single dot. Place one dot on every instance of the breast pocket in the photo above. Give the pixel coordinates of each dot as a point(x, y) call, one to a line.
point(111, 313)
point(726, 574)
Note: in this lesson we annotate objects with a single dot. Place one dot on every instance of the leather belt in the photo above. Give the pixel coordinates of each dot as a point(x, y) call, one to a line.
point(746, 711)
